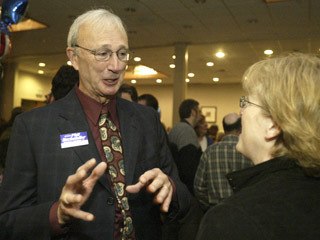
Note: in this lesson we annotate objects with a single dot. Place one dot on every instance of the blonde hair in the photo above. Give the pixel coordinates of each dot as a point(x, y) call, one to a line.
point(97, 18)
point(288, 89)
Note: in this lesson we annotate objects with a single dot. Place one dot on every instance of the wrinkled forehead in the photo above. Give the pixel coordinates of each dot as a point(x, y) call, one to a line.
point(107, 31)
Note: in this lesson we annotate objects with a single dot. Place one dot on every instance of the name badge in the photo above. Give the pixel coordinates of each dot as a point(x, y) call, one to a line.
point(74, 139)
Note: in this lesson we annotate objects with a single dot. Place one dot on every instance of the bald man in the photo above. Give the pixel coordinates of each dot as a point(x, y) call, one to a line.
point(211, 185)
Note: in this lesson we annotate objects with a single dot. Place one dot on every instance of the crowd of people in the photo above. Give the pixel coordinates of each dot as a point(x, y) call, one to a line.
point(97, 163)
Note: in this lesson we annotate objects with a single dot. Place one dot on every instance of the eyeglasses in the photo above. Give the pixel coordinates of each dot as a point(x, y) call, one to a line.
point(102, 55)
point(244, 102)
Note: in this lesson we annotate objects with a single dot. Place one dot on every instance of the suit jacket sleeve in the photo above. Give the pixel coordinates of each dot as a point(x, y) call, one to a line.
point(20, 215)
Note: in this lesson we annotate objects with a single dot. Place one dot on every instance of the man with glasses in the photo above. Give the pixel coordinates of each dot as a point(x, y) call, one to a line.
point(91, 165)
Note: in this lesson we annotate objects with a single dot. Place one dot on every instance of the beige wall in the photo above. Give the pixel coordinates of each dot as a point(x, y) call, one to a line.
point(30, 86)
point(225, 97)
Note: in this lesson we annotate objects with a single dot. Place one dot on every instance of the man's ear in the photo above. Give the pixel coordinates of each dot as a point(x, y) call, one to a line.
point(72, 57)
point(273, 130)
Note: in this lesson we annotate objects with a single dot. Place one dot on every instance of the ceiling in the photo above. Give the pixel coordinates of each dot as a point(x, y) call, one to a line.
point(243, 29)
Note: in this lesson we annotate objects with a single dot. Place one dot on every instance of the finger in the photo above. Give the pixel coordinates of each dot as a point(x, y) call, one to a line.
point(87, 165)
point(144, 180)
point(135, 188)
point(96, 173)
point(166, 203)
point(161, 195)
point(81, 173)
point(71, 212)
point(70, 198)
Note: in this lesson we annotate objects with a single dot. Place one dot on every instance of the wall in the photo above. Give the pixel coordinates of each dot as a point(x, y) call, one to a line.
point(225, 97)
point(30, 86)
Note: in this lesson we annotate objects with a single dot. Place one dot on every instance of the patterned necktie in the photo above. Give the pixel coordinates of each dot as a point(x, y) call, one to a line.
point(112, 148)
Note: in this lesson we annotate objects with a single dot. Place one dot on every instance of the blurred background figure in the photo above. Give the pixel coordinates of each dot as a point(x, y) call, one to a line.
point(149, 100)
point(6, 131)
point(213, 132)
point(202, 132)
point(211, 184)
point(278, 197)
point(5, 137)
point(128, 92)
point(64, 80)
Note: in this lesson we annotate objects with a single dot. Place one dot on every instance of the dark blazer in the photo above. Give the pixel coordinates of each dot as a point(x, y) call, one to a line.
point(273, 200)
point(37, 169)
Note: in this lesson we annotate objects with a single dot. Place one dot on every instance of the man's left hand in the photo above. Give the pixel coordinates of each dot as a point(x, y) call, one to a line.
point(155, 182)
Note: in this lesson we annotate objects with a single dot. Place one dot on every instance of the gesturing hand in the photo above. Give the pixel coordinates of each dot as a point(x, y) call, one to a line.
point(156, 182)
point(77, 190)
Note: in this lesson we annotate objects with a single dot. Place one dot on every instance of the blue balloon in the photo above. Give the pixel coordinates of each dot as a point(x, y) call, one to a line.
point(13, 10)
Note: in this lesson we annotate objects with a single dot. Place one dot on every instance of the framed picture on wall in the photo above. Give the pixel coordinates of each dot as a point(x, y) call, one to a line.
point(210, 113)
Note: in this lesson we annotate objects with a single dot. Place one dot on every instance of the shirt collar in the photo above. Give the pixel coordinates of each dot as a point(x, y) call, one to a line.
point(92, 108)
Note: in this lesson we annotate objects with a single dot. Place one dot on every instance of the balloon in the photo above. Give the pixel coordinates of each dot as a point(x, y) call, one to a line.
point(13, 10)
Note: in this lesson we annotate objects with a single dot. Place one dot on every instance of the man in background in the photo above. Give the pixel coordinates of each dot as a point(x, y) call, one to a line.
point(211, 185)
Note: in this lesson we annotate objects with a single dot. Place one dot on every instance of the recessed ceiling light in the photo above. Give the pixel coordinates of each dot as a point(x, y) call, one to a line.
point(40, 71)
point(191, 74)
point(187, 80)
point(210, 64)
point(220, 54)
point(69, 63)
point(215, 79)
point(137, 59)
point(172, 66)
point(158, 80)
point(173, 56)
point(268, 52)
point(133, 81)
point(42, 64)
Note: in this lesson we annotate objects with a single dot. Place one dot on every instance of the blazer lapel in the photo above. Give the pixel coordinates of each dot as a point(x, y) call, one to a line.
point(129, 129)
point(72, 119)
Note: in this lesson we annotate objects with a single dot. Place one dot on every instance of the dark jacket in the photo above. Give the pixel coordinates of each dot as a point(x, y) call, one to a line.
point(37, 169)
point(272, 200)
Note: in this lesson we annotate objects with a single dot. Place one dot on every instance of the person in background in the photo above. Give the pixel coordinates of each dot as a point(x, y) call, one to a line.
point(7, 129)
point(62, 82)
point(91, 165)
point(128, 92)
point(202, 132)
point(213, 132)
point(186, 150)
point(211, 184)
point(149, 100)
point(277, 198)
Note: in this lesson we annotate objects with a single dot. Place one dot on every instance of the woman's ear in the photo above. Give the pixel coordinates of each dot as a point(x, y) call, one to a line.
point(273, 130)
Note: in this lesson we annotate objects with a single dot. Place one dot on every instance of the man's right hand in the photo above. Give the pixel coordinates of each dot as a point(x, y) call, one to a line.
point(77, 190)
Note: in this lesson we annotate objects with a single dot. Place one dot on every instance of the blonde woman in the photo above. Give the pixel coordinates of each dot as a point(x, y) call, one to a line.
point(278, 198)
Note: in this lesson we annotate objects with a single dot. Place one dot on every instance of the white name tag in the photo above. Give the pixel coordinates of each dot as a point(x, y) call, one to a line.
point(74, 139)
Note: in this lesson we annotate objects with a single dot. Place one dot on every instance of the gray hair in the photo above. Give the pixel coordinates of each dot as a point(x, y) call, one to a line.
point(99, 18)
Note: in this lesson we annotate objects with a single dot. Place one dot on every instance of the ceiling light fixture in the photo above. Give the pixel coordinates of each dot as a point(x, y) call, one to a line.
point(69, 63)
point(191, 74)
point(137, 59)
point(187, 80)
point(172, 66)
point(210, 64)
point(268, 52)
point(215, 79)
point(40, 71)
point(173, 56)
point(42, 64)
point(220, 54)
point(144, 70)
point(158, 80)
point(133, 81)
